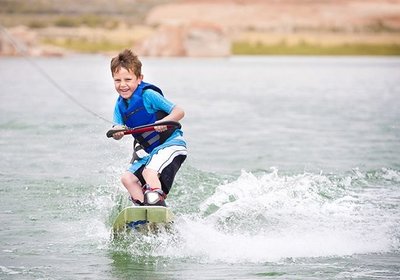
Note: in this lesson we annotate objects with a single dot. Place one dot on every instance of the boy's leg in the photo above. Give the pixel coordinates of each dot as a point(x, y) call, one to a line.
point(167, 176)
point(151, 178)
point(133, 185)
point(160, 171)
point(162, 182)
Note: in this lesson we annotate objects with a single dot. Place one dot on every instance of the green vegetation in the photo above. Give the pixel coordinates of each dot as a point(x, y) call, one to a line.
point(88, 20)
point(43, 21)
point(302, 48)
point(66, 22)
point(36, 24)
point(86, 46)
point(241, 48)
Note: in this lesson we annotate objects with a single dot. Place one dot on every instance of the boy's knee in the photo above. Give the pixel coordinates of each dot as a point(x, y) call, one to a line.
point(126, 178)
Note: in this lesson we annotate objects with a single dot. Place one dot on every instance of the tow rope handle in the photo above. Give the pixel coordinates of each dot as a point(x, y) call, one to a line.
point(143, 128)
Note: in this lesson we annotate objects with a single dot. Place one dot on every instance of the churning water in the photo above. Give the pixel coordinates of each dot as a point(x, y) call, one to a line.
point(293, 172)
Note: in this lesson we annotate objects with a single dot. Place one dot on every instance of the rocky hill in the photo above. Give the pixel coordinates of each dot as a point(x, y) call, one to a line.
point(213, 25)
point(199, 28)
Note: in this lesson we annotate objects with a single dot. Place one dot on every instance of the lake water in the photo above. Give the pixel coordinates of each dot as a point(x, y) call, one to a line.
point(293, 172)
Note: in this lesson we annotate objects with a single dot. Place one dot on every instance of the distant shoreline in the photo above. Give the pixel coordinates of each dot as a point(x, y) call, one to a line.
point(344, 49)
point(224, 28)
point(249, 48)
point(61, 41)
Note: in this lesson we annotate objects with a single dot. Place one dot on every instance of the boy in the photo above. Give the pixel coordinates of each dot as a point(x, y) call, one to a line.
point(157, 155)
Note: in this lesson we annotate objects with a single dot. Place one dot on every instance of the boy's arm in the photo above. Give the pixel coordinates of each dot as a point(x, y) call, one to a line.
point(176, 115)
point(156, 102)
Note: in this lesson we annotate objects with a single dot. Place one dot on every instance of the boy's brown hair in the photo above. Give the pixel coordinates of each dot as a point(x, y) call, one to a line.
point(128, 60)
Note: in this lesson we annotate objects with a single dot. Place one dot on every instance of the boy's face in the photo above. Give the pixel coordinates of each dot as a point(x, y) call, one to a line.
point(126, 82)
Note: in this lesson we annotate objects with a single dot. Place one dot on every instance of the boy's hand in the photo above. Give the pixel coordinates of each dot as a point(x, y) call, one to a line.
point(176, 114)
point(118, 135)
point(160, 128)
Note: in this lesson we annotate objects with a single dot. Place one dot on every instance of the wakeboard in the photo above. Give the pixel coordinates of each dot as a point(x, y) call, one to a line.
point(136, 217)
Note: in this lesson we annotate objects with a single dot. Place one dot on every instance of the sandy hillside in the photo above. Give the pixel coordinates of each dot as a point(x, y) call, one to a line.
point(208, 27)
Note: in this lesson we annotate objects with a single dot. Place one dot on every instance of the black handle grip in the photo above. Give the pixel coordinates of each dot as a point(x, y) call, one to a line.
point(143, 128)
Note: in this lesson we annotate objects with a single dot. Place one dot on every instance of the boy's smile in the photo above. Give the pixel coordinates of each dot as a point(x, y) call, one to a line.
point(126, 82)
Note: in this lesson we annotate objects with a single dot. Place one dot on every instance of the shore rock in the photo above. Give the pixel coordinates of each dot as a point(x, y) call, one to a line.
point(196, 39)
point(21, 40)
point(16, 41)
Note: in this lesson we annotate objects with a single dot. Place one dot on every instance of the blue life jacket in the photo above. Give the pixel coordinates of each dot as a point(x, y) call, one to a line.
point(134, 114)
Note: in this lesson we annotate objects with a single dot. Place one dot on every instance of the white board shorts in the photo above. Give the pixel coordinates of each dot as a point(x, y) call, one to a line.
point(166, 162)
point(164, 157)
